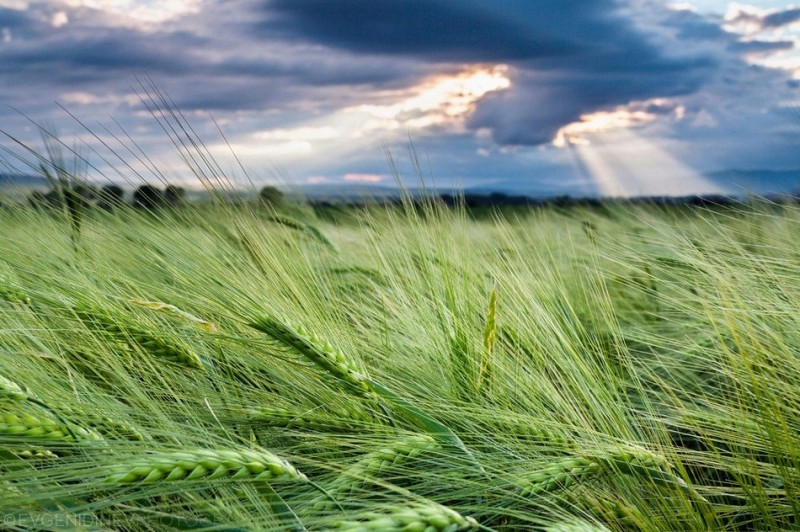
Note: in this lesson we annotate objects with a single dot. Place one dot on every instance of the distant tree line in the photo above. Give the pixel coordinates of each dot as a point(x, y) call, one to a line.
point(109, 197)
point(149, 197)
point(499, 199)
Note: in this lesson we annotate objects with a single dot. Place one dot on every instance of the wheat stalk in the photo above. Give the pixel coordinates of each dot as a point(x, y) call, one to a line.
point(489, 339)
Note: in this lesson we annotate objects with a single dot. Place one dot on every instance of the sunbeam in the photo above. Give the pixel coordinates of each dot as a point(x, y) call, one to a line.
point(624, 164)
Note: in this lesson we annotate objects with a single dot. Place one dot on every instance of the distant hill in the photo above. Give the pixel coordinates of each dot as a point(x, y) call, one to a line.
point(17, 187)
point(17, 180)
point(761, 182)
point(345, 192)
point(737, 182)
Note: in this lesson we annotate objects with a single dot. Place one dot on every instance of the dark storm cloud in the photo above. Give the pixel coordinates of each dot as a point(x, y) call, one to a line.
point(540, 104)
point(569, 57)
point(103, 55)
point(775, 19)
point(781, 18)
point(203, 67)
point(443, 30)
point(324, 70)
point(760, 47)
point(85, 54)
point(555, 34)
point(690, 25)
point(12, 18)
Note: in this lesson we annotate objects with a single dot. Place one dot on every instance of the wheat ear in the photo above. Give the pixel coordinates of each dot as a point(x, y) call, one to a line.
point(428, 517)
point(204, 464)
point(318, 351)
point(29, 426)
point(170, 349)
point(377, 462)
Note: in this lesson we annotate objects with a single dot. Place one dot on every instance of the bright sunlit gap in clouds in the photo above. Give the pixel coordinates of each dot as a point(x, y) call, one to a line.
point(623, 163)
point(140, 11)
point(442, 102)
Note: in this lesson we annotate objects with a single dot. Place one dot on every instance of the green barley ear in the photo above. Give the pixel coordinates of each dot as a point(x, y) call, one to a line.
point(13, 294)
point(635, 462)
point(10, 289)
point(160, 346)
point(489, 339)
point(590, 230)
point(375, 463)
point(428, 517)
point(294, 419)
point(34, 453)
point(11, 390)
point(560, 474)
point(203, 464)
point(103, 425)
point(158, 306)
point(24, 426)
point(644, 464)
point(318, 351)
point(297, 225)
point(345, 370)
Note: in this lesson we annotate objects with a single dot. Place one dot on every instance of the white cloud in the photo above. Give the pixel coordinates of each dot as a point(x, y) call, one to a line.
point(364, 178)
point(59, 19)
point(441, 100)
point(633, 115)
point(299, 133)
point(88, 98)
point(140, 11)
point(18, 5)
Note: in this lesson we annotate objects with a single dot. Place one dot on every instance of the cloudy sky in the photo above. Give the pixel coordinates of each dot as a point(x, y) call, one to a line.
point(542, 96)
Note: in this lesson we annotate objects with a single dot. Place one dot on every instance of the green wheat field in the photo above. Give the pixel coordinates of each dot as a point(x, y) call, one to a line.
point(413, 367)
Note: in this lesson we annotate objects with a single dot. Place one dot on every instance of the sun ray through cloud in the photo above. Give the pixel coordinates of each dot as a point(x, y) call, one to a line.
point(624, 164)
